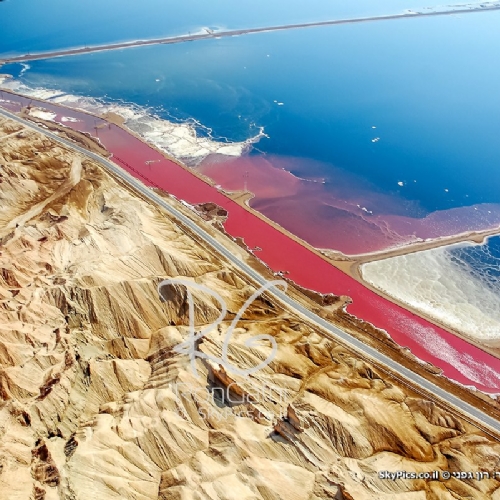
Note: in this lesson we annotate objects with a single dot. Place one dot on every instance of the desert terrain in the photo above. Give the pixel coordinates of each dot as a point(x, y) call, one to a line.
point(97, 402)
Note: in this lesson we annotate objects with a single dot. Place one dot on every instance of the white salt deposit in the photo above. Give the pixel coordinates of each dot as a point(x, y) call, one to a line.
point(180, 140)
point(440, 287)
point(43, 115)
point(472, 369)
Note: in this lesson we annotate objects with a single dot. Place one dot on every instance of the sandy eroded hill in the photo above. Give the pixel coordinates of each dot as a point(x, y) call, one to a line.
point(97, 404)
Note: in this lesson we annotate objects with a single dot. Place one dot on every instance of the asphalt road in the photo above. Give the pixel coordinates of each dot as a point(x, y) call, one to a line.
point(472, 413)
point(221, 34)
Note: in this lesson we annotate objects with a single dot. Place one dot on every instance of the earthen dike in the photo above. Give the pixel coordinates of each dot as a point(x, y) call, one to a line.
point(222, 34)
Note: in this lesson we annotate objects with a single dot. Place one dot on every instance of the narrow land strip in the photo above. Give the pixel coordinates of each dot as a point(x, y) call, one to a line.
point(477, 237)
point(221, 34)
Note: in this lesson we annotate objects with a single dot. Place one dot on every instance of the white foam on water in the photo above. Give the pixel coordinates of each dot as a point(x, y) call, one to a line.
point(438, 286)
point(179, 140)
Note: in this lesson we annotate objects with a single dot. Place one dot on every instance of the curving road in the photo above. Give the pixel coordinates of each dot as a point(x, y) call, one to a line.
point(221, 34)
point(470, 412)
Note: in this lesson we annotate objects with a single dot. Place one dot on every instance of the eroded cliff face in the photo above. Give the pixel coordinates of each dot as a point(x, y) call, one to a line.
point(98, 403)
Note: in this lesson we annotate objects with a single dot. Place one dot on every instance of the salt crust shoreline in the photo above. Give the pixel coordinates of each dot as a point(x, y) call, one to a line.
point(179, 140)
point(430, 283)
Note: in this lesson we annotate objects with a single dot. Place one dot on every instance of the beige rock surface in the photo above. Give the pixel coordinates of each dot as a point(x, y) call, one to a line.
point(96, 403)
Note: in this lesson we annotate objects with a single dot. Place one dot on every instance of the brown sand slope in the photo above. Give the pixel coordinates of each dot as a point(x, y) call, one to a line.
point(91, 406)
